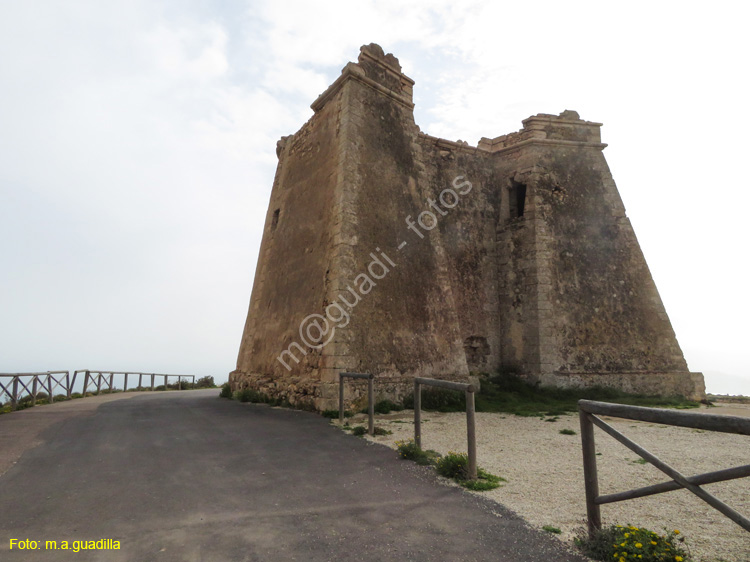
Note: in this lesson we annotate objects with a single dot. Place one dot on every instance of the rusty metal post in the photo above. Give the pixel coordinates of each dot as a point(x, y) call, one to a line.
point(417, 414)
point(471, 434)
point(590, 477)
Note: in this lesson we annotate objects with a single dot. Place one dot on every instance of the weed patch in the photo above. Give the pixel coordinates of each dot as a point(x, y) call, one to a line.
point(621, 543)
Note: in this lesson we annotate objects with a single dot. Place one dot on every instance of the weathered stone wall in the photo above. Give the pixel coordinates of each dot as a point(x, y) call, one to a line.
point(426, 257)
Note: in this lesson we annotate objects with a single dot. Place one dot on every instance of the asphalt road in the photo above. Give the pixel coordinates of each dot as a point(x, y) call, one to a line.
point(189, 476)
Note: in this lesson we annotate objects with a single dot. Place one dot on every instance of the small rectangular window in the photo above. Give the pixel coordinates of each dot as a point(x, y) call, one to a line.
point(517, 199)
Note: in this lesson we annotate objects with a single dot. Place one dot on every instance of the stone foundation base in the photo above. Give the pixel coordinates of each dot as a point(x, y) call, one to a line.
point(689, 385)
point(309, 394)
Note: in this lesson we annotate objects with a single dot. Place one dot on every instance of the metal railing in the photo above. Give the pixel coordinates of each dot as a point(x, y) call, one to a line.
point(370, 398)
point(588, 411)
point(471, 435)
point(48, 381)
point(98, 378)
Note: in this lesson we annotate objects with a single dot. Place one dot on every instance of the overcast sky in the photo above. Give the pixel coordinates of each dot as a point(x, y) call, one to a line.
point(137, 152)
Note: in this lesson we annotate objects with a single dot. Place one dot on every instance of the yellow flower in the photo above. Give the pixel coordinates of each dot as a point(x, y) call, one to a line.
point(627, 535)
point(653, 542)
point(622, 544)
point(638, 545)
point(678, 558)
point(676, 532)
point(621, 560)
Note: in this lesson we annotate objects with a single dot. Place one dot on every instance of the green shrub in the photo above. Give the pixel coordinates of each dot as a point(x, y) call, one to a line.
point(205, 382)
point(226, 391)
point(76, 395)
point(377, 430)
point(622, 543)
point(359, 430)
point(453, 465)
point(439, 399)
point(408, 450)
point(551, 529)
point(507, 392)
point(567, 432)
point(456, 466)
point(386, 407)
point(330, 414)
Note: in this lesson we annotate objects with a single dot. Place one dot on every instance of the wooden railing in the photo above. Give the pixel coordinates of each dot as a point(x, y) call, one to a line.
point(471, 435)
point(588, 411)
point(98, 378)
point(48, 381)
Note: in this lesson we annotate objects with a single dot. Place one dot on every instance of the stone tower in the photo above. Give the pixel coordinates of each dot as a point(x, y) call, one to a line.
point(389, 251)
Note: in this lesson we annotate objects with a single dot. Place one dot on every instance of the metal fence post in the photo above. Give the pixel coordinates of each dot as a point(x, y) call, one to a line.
point(471, 434)
point(590, 477)
point(417, 414)
point(371, 405)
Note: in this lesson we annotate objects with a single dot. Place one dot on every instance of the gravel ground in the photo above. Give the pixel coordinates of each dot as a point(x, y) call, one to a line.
point(545, 474)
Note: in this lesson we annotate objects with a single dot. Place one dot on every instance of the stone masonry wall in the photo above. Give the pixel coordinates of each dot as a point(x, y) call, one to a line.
point(419, 256)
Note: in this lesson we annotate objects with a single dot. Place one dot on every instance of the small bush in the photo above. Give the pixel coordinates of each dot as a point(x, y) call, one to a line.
point(456, 466)
point(567, 432)
point(439, 399)
point(205, 382)
point(359, 430)
point(408, 450)
point(76, 395)
point(331, 414)
point(622, 543)
point(377, 430)
point(226, 391)
point(453, 465)
point(551, 529)
point(386, 407)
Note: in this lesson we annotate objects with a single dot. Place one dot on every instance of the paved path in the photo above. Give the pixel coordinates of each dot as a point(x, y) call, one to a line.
point(188, 476)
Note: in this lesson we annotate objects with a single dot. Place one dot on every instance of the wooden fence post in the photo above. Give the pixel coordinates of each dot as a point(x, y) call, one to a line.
point(371, 405)
point(152, 382)
point(14, 395)
point(68, 385)
point(471, 434)
point(125, 384)
point(85, 383)
point(34, 385)
point(49, 387)
point(590, 477)
point(341, 399)
point(417, 414)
